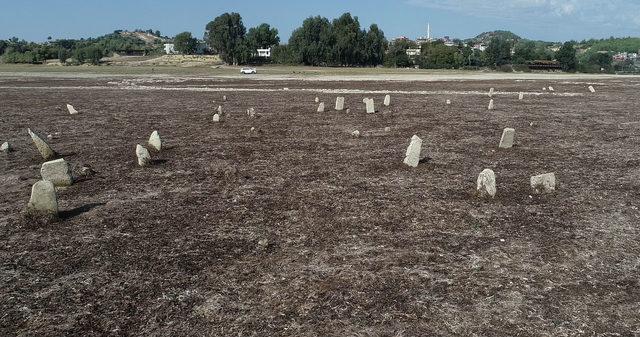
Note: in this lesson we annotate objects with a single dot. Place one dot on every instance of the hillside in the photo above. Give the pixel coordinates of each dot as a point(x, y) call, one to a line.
point(485, 37)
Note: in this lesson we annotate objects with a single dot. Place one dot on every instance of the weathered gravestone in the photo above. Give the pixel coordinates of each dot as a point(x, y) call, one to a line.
point(340, 103)
point(592, 89)
point(155, 142)
point(412, 158)
point(491, 91)
point(544, 183)
point(43, 199)
point(521, 96)
point(506, 142)
point(45, 150)
point(72, 110)
point(371, 108)
point(387, 100)
point(6, 147)
point(57, 172)
point(144, 158)
point(490, 105)
point(486, 185)
point(216, 118)
point(321, 107)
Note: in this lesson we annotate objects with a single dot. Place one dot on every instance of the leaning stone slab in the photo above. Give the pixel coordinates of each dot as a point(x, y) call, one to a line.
point(155, 142)
point(412, 158)
point(219, 110)
point(6, 147)
point(43, 199)
point(321, 107)
point(387, 100)
point(45, 150)
point(57, 172)
point(490, 105)
point(486, 185)
point(339, 103)
point(592, 89)
point(551, 88)
point(544, 183)
point(72, 110)
point(506, 142)
point(371, 108)
point(144, 158)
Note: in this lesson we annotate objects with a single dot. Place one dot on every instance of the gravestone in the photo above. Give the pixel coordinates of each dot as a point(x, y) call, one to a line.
point(45, 150)
point(387, 100)
point(144, 158)
point(321, 107)
point(43, 199)
point(521, 96)
point(251, 112)
point(412, 158)
point(317, 100)
point(544, 183)
point(592, 89)
point(490, 105)
point(72, 110)
point(224, 98)
point(551, 88)
point(506, 142)
point(340, 103)
point(491, 91)
point(387, 129)
point(216, 118)
point(219, 110)
point(370, 106)
point(155, 142)
point(486, 185)
point(57, 172)
point(6, 147)
point(448, 102)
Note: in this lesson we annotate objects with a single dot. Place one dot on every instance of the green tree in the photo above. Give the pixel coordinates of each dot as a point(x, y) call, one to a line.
point(312, 43)
point(567, 57)
point(349, 41)
point(397, 56)
point(262, 37)
point(498, 51)
point(375, 46)
point(185, 43)
point(524, 51)
point(225, 35)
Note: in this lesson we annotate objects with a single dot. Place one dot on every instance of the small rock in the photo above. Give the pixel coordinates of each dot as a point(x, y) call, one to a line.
point(72, 110)
point(355, 134)
point(387, 129)
point(224, 98)
point(551, 88)
point(317, 100)
point(448, 102)
point(544, 183)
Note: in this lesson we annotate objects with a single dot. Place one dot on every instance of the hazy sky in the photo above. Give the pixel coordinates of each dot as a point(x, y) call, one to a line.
point(551, 20)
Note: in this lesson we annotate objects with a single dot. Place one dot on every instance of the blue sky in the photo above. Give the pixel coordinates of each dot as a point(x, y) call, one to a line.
point(551, 20)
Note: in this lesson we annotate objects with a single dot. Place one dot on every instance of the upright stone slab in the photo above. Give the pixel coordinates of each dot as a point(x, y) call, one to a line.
point(592, 89)
point(317, 100)
point(491, 91)
point(72, 110)
point(521, 96)
point(371, 108)
point(448, 102)
point(155, 142)
point(486, 185)
point(219, 110)
point(57, 172)
point(490, 105)
point(43, 199)
point(506, 142)
point(321, 107)
point(387, 100)
point(251, 112)
point(544, 183)
point(45, 150)
point(144, 158)
point(6, 147)
point(412, 158)
point(216, 118)
point(339, 103)
point(224, 98)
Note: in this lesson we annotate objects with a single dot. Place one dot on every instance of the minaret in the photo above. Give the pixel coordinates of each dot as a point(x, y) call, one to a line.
point(429, 31)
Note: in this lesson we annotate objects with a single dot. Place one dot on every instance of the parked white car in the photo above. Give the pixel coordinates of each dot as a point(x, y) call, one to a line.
point(248, 71)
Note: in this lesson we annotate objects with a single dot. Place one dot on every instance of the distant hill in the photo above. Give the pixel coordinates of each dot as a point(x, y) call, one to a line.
point(485, 37)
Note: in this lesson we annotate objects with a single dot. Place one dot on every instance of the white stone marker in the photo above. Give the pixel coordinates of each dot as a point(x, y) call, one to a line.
point(45, 150)
point(72, 110)
point(521, 96)
point(317, 100)
point(144, 158)
point(43, 199)
point(544, 183)
point(448, 102)
point(224, 98)
point(486, 185)
point(551, 88)
point(387, 100)
point(321, 107)
point(355, 134)
point(490, 105)
point(219, 110)
point(592, 89)
point(6, 147)
point(251, 112)
point(412, 158)
point(387, 129)
point(155, 142)
point(370, 106)
point(216, 118)
point(340, 103)
point(57, 172)
point(506, 142)
point(491, 91)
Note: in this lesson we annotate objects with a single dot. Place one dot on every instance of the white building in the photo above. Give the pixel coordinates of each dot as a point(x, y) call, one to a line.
point(169, 48)
point(264, 52)
point(413, 52)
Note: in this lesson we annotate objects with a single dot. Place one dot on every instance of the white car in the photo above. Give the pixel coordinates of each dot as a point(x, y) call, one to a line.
point(248, 71)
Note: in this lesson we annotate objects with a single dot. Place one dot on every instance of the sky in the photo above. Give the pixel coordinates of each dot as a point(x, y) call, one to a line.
point(549, 20)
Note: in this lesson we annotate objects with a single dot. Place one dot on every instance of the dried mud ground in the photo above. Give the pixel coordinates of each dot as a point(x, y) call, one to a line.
point(298, 229)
